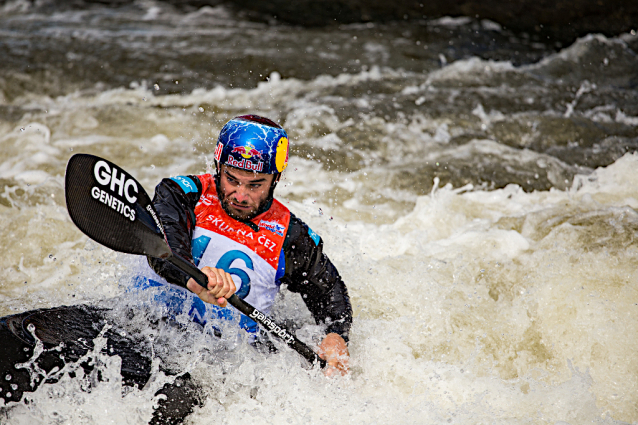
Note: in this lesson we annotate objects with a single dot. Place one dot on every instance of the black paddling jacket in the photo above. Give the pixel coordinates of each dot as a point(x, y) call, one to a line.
point(308, 271)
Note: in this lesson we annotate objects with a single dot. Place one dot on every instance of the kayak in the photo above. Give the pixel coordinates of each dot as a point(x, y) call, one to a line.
point(72, 330)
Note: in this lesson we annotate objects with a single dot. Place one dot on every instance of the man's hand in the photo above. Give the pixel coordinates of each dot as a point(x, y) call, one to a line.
point(333, 349)
point(220, 287)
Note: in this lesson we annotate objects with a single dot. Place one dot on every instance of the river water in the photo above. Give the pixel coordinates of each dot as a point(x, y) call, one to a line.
point(476, 189)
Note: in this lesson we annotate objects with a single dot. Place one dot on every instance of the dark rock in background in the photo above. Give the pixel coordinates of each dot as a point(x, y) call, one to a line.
point(557, 18)
point(563, 20)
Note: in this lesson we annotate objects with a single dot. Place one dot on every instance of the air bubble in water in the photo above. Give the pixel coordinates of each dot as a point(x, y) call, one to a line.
point(14, 387)
point(320, 212)
point(8, 377)
point(156, 86)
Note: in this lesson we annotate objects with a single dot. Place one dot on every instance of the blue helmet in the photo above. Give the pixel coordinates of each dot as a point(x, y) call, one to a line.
point(253, 143)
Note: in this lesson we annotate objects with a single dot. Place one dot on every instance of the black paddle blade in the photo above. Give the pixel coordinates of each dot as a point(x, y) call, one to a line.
point(112, 208)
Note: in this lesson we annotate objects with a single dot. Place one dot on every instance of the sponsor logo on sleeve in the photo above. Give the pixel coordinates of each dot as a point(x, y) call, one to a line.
point(185, 183)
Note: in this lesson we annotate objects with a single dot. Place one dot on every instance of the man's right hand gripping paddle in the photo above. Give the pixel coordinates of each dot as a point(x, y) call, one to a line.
point(220, 287)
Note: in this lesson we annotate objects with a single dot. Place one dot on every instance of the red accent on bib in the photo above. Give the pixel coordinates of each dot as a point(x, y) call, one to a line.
point(273, 224)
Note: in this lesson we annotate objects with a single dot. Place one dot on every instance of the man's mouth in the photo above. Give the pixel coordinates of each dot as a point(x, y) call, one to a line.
point(242, 207)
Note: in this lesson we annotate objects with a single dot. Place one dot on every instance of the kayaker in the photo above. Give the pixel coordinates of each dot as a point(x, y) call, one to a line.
point(247, 242)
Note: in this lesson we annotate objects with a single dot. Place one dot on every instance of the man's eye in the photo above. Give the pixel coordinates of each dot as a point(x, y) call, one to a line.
point(255, 186)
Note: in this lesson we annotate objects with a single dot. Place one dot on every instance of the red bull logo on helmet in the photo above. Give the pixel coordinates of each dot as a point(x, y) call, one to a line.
point(249, 155)
point(245, 164)
point(247, 151)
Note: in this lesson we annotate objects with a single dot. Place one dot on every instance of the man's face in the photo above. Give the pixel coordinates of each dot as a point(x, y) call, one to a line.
point(243, 192)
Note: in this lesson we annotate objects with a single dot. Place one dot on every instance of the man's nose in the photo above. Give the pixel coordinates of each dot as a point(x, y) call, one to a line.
point(241, 193)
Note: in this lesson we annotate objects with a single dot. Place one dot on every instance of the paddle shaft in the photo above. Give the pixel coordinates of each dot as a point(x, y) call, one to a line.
point(251, 312)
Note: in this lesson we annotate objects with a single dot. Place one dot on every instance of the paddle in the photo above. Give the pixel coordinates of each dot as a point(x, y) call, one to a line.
point(112, 208)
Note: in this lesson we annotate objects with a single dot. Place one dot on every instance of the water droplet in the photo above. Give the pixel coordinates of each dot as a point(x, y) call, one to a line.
point(144, 99)
point(14, 387)
point(8, 395)
point(304, 274)
point(156, 86)
point(22, 129)
point(70, 149)
point(201, 109)
point(152, 166)
point(331, 218)
point(50, 255)
point(320, 212)
point(31, 327)
point(8, 377)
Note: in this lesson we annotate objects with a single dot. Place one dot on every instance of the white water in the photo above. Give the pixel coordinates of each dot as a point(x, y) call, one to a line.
point(471, 305)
